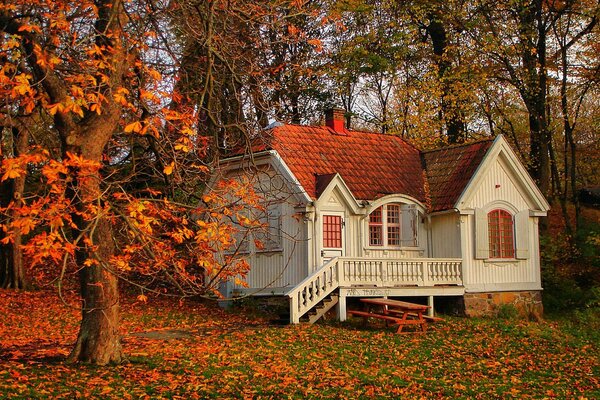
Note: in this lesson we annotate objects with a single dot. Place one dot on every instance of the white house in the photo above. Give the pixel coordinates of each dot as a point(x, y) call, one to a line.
point(357, 214)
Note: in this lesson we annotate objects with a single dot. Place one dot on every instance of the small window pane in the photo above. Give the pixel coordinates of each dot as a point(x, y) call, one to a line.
point(394, 236)
point(376, 227)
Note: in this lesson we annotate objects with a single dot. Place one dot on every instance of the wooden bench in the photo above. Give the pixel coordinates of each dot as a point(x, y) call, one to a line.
point(366, 315)
point(400, 313)
point(415, 315)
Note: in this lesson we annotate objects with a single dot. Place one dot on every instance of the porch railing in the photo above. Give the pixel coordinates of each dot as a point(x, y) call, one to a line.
point(348, 272)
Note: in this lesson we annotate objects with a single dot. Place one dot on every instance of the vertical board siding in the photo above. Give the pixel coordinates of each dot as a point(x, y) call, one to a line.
point(498, 185)
point(445, 236)
point(286, 267)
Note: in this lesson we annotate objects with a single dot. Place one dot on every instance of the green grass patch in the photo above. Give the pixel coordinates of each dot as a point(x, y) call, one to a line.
point(227, 355)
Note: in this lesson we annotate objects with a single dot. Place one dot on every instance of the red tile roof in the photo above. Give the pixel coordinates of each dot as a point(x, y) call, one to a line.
point(374, 165)
point(450, 169)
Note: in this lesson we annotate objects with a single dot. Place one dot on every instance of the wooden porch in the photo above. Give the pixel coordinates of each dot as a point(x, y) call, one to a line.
point(360, 277)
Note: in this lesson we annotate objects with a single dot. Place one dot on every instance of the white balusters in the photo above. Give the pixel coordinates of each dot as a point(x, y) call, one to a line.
point(348, 271)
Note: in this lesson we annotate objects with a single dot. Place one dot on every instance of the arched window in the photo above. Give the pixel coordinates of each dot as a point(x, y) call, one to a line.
point(393, 225)
point(501, 234)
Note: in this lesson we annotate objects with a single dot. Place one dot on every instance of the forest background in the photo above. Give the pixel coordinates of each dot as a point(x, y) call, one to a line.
point(113, 114)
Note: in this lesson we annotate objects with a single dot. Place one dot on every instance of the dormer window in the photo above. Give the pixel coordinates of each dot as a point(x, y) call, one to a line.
point(393, 225)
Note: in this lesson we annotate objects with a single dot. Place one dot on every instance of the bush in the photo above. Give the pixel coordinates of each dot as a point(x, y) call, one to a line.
point(571, 269)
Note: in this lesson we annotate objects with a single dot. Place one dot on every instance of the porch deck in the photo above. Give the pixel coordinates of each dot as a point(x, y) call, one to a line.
point(376, 277)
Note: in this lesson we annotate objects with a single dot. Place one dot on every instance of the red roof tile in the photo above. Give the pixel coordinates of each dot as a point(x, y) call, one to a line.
point(374, 165)
point(450, 169)
point(371, 164)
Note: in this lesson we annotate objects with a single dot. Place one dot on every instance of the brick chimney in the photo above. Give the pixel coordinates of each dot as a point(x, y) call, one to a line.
point(334, 119)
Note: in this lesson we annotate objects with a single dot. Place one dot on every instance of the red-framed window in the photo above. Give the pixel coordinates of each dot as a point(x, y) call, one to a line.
point(376, 227)
point(393, 225)
point(501, 234)
point(332, 231)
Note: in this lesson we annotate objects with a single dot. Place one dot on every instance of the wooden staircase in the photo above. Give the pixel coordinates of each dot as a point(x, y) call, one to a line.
point(318, 311)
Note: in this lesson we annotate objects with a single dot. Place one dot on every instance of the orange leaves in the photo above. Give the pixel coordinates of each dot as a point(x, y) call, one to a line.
point(317, 44)
point(11, 169)
point(29, 28)
point(168, 169)
point(16, 167)
point(48, 247)
point(22, 85)
point(24, 225)
point(135, 126)
point(120, 96)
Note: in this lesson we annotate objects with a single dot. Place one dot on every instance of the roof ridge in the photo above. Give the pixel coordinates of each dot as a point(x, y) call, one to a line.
point(389, 135)
point(456, 146)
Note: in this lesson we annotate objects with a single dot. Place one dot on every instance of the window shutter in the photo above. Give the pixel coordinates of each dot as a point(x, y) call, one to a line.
point(482, 244)
point(274, 212)
point(409, 225)
point(522, 235)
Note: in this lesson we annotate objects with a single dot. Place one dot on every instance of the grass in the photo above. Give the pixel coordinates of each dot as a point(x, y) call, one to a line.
point(229, 355)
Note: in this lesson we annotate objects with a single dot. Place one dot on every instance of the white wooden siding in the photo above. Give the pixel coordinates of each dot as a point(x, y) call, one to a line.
point(282, 268)
point(288, 265)
point(498, 188)
point(498, 184)
point(445, 236)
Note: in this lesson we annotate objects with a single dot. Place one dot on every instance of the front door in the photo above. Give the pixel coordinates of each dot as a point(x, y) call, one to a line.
point(332, 236)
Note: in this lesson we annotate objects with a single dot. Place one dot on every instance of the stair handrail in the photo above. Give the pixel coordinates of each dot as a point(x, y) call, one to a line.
point(296, 309)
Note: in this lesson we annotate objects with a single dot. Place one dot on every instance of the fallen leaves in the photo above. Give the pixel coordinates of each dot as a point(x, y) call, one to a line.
point(194, 350)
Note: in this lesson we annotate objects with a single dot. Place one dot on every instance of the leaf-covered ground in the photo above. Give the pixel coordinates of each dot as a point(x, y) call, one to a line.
point(193, 350)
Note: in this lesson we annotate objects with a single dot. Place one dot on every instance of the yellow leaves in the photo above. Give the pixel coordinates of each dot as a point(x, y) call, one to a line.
point(183, 144)
point(54, 108)
point(143, 298)
point(11, 43)
point(135, 126)
point(187, 131)
point(91, 262)
point(22, 86)
point(121, 263)
point(168, 169)
point(120, 96)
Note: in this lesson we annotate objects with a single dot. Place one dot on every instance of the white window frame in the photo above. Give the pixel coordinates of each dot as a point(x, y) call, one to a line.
point(405, 209)
point(521, 233)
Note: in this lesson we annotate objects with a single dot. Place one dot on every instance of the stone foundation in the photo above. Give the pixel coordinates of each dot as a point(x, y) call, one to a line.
point(528, 304)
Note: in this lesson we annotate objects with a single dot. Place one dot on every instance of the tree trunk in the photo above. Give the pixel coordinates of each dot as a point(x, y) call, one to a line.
point(98, 341)
point(12, 272)
point(455, 126)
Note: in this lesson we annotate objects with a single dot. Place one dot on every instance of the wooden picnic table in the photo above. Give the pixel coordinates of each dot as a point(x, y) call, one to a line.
point(401, 313)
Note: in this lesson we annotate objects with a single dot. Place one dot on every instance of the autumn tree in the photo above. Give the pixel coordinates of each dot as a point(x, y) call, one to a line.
point(12, 272)
point(91, 70)
point(574, 30)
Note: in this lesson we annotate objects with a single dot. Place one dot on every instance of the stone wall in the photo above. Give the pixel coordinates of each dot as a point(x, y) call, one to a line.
point(528, 304)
